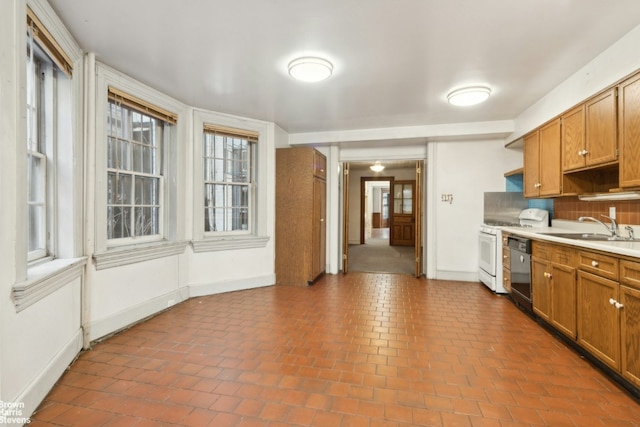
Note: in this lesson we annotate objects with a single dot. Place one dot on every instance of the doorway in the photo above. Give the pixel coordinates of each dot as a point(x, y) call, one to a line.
point(373, 214)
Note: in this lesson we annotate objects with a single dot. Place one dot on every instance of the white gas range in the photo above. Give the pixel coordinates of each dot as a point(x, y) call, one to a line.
point(490, 246)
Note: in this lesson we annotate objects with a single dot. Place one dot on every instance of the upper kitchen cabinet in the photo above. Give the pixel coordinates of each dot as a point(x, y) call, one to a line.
point(589, 134)
point(542, 161)
point(629, 131)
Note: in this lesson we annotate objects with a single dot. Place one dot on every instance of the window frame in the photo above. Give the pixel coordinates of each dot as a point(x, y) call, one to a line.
point(108, 253)
point(250, 184)
point(158, 174)
point(263, 157)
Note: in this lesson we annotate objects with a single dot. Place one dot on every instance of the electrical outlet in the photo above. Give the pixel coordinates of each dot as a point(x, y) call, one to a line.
point(612, 212)
point(171, 302)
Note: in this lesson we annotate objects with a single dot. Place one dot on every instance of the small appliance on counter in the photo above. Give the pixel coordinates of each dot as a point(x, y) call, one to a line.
point(533, 217)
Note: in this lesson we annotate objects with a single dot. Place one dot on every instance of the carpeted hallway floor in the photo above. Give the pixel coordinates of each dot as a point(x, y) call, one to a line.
point(376, 256)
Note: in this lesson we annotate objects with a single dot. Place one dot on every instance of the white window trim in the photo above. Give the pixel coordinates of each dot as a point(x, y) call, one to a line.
point(111, 253)
point(44, 276)
point(258, 236)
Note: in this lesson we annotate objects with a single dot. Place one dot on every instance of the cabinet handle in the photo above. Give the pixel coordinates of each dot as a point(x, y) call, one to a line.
point(615, 303)
point(537, 185)
point(594, 263)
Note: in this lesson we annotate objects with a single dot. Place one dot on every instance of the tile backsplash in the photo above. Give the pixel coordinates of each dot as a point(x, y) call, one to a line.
point(627, 212)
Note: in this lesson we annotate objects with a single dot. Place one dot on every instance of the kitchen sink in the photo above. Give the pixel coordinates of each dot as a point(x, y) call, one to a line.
point(591, 237)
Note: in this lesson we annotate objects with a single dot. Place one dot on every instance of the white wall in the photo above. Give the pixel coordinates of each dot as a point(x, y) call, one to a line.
point(465, 170)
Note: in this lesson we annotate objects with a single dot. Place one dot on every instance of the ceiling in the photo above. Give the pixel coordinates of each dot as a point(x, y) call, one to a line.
point(394, 61)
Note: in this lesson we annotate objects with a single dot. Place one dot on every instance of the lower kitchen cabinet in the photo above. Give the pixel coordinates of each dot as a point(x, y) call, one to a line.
point(630, 320)
point(554, 290)
point(598, 318)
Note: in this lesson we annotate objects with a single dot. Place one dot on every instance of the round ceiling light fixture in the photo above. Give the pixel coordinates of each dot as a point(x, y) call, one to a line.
point(469, 95)
point(377, 167)
point(310, 69)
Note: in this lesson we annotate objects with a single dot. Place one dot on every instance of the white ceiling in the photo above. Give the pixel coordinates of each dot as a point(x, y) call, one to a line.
point(394, 60)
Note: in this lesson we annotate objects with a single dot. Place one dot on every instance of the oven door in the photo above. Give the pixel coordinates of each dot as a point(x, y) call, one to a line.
point(487, 253)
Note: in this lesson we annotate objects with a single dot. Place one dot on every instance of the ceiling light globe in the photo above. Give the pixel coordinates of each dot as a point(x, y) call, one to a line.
point(310, 69)
point(469, 96)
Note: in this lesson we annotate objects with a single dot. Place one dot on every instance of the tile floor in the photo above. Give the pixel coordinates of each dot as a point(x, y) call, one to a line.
point(374, 350)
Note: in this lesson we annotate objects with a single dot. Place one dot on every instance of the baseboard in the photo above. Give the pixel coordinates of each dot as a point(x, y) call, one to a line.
point(125, 318)
point(231, 285)
point(37, 390)
point(462, 276)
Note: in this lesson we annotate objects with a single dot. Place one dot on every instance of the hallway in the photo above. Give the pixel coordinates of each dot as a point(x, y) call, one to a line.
point(375, 350)
point(376, 256)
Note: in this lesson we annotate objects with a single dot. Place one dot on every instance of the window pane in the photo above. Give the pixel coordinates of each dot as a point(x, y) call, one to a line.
point(118, 222)
point(147, 191)
point(36, 236)
point(147, 223)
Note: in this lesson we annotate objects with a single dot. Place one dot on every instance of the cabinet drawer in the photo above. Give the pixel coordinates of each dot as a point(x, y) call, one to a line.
point(602, 265)
point(506, 257)
point(564, 255)
point(319, 165)
point(542, 250)
point(630, 273)
point(505, 239)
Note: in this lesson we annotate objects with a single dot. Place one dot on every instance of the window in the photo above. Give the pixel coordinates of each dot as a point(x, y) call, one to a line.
point(135, 175)
point(47, 84)
point(36, 159)
point(228, 179)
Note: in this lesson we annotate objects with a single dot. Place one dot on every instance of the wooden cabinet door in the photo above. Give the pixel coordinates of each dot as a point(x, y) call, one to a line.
point(601, 129)
point(563, 299)
point(550, 159)
point(319, 229)
point(598, 320)
point(532, 165)
point(541, 288)
point(573, 139)
point(630, 333)
point(629, 127)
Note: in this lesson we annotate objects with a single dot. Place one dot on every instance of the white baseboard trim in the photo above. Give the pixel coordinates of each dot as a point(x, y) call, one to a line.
point(131, 315)
point(463, 276)
point(37, 390)
point(230, 286)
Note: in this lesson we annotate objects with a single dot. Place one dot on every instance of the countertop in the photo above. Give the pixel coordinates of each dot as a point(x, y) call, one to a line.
point(619, 247)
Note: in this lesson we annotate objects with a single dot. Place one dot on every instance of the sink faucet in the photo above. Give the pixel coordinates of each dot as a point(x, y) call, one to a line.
point(614, 225)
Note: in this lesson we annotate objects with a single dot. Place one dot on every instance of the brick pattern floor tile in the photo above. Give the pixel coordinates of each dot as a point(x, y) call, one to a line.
point(362, 349)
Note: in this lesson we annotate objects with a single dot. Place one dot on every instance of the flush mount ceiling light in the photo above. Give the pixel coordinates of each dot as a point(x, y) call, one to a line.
point(376, 167)
point(469, 95)
point(310, 69)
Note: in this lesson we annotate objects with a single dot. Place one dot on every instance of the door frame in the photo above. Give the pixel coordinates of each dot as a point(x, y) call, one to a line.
point(363, 184)
point(419, 169)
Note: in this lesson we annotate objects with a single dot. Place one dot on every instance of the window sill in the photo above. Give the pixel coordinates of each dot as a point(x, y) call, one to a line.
point(229, 243)
point(137, 253)
point(45, 278)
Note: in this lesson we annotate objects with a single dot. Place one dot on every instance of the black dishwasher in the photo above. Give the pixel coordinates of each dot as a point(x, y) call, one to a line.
point(520, 249)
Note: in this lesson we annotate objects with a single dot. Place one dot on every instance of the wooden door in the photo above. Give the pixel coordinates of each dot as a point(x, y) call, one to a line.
point(598, 319)
point(573, 139)
point(531, 165)
point(403, 214)
point(601, 129)
point(319, 228)
point(550, 159)
point(629, 128)
point(418, 217)
point(345, 217)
